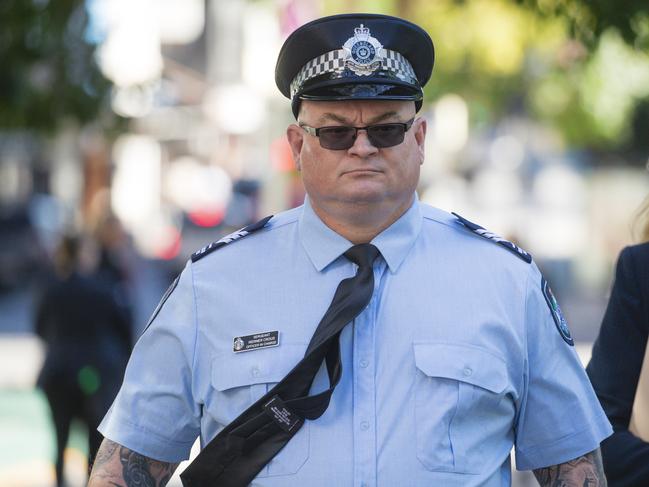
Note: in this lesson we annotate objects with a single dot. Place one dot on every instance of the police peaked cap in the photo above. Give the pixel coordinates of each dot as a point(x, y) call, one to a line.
point(355, 57)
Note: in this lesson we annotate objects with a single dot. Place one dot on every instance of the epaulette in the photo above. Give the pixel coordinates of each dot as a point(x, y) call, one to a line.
point(515, 249)
point(252, 228)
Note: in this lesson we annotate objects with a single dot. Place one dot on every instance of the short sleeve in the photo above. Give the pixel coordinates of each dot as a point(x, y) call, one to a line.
point(559, 417)
point(155, 413)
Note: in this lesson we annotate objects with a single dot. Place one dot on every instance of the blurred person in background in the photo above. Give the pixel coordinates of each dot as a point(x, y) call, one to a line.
point(22, 255)
point(617, 360)
point(87, 339)
point(115, 260)
point(114, 254)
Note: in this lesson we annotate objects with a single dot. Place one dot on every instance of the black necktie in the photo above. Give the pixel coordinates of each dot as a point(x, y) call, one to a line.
point(238, 453)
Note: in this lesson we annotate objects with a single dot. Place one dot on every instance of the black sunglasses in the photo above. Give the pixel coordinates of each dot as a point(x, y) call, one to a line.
point(342, 137)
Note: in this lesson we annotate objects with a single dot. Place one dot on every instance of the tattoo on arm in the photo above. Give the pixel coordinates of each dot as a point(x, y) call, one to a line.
point(116, 465)
point(585, 471)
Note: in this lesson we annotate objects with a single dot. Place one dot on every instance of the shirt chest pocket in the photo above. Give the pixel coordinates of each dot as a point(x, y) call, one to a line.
point(461, 408)
point(238, 380)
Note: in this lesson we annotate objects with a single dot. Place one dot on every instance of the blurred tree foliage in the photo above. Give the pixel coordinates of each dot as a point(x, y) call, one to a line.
point(579, 65)
point(49, 74)
point(590, 19)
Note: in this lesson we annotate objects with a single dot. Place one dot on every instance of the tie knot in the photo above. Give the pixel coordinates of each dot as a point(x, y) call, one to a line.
point(362, 254)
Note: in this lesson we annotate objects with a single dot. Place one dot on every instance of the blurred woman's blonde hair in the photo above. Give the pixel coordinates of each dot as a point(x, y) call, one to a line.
point(641, 222)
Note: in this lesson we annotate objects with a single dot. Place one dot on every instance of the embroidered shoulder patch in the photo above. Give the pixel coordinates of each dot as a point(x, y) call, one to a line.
point(557, 315)
point(208, 249)
point(515, 249)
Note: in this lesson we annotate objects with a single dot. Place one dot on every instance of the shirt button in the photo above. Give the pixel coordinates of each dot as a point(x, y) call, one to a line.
point(364, 363)
point(254, 371)
point(467, 371)
point(365, 425)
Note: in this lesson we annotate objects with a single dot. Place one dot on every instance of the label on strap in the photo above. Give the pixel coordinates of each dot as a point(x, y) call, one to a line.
point(281, 414)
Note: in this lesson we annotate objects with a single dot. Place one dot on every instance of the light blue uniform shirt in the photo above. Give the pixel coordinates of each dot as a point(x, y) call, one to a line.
point(456, 359)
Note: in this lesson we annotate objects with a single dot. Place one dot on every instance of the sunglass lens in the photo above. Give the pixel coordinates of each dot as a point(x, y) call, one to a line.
point(337, 138)
point(386, 134)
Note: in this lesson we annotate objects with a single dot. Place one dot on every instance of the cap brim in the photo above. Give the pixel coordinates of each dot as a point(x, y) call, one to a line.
point(378, 87)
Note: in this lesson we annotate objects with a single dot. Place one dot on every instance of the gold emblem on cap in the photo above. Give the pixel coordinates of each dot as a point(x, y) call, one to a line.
point(363, 53)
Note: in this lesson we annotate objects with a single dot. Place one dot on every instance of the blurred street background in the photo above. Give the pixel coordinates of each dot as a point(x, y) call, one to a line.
point(151, 128)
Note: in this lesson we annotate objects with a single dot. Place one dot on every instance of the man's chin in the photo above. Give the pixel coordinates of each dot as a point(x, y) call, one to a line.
point(365, 197)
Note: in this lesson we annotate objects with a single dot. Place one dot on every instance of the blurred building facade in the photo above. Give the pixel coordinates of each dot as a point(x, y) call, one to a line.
point(204, 150)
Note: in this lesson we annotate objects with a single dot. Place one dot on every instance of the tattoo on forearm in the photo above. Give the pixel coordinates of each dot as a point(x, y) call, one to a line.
point(135, 469)
point(104, 454)
point(117, 465)
point(585, 471)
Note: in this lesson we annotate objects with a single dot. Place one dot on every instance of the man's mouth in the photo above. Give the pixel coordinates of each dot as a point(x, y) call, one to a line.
point(362, 170)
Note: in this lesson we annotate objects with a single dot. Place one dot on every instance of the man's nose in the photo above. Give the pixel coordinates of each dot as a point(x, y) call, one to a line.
point(362, 146)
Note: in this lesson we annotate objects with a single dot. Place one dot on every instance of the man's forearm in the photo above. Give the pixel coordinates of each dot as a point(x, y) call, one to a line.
point(585, 471)
point(116, 465)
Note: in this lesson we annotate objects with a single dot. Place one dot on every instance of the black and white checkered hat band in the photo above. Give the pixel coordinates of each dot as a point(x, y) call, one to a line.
point(335, 62)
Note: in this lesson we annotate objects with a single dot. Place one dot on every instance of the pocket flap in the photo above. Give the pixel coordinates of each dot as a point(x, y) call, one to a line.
point(231, 369)
point(466, 363)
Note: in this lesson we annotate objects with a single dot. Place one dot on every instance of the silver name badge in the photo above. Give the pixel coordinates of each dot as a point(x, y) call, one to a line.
point(253, 342)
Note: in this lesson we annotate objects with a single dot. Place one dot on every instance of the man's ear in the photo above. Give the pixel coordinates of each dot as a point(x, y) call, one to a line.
point(420, 137)
point(295, 136)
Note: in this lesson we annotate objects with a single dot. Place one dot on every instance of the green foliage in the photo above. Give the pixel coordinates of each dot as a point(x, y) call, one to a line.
point(590, 19)
point(575, 65)
point(596, 99)
point(49, 74)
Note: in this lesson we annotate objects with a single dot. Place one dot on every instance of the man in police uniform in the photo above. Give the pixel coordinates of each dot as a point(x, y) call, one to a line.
point(458, 352)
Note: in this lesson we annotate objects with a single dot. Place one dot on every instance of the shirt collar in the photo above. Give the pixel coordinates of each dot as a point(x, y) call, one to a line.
point(323, 245)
